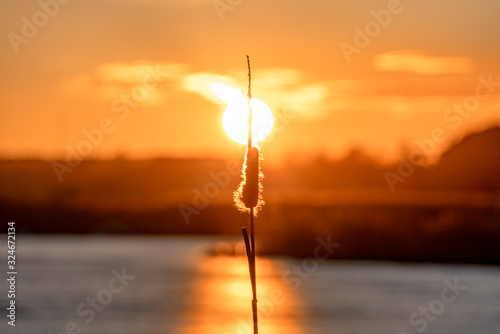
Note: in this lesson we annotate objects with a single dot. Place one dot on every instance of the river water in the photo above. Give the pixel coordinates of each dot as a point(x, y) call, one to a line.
point(171, 284)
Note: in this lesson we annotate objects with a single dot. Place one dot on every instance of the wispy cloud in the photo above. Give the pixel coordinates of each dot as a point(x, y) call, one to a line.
point(133, 72)
point(109, 80)
point(278, 87)
point(202, 82)
point(421, 63)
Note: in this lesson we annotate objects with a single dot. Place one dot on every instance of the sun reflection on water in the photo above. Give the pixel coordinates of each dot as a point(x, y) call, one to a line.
point(222, 299)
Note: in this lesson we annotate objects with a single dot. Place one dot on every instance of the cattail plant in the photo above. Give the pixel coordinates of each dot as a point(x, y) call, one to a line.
point(248, 198)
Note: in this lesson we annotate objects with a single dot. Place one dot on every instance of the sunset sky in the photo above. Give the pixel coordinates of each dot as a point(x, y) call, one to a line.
point(142, 69)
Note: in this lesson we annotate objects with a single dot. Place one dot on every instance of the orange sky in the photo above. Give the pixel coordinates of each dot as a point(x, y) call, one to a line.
point(75, 70)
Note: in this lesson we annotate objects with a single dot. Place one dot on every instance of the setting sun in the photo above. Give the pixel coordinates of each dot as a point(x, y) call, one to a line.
point(235, 120)
point(246, 167)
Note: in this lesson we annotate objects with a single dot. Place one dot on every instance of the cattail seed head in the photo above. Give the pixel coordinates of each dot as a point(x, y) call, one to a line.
point(248, 194)
point(251, 187)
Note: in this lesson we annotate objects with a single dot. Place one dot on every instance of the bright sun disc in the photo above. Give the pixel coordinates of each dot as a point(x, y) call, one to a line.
point(235, 120)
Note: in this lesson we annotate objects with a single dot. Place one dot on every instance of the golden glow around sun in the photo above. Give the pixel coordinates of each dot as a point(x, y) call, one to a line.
point(235, 120)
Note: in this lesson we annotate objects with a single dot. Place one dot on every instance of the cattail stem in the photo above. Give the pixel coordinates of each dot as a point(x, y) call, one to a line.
point(253, 277)
point(250, 197)
point(250, 248)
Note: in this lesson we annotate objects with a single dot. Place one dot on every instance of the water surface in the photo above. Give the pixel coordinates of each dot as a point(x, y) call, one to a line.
point(178, 288)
